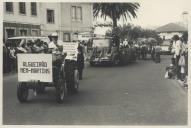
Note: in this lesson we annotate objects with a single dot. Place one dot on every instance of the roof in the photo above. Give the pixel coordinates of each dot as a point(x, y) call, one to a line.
point(171, 27)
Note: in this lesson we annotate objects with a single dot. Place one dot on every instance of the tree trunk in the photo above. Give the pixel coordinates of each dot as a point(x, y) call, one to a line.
point(116, 37)
point(114, 23)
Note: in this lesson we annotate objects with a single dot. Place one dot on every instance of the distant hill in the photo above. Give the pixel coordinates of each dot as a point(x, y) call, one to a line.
point(171, 27)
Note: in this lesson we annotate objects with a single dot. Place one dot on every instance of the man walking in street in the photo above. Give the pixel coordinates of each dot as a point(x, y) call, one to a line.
point(80, 61)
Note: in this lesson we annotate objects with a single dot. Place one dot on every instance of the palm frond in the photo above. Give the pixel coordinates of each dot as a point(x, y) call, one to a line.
point(115, 10)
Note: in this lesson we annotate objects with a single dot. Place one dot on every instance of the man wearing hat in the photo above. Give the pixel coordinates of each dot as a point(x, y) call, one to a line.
point(55, 45)
point(177, 50)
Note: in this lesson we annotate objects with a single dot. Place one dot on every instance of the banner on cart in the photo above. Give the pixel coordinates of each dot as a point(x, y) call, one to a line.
point(71, 49)
point(34, 67)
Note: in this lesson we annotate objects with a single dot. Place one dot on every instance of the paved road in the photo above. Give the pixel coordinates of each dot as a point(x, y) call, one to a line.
point(135, 94)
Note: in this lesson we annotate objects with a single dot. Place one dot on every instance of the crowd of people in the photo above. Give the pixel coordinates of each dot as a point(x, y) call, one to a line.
point(54, 46)
point(178, 68)
point(143, 49)
point(10, 50)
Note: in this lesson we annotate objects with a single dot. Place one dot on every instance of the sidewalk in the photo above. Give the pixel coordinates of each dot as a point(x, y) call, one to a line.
point(182, 84)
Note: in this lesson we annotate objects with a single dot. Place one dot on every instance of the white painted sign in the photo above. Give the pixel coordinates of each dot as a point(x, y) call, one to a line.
point(71, 49)
point(34, 67)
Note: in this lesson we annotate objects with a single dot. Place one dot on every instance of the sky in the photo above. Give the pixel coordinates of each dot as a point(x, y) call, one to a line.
point(155, 13)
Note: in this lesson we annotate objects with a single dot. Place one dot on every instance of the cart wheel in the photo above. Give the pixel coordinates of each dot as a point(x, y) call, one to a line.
point(92, 63)
point(76, 81)
point(116, 61)
point(73, 82)
point(41, 88)
point(22, 92)
point(60, 90)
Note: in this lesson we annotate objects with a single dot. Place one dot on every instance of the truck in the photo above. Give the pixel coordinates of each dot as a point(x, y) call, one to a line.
point(105, 51)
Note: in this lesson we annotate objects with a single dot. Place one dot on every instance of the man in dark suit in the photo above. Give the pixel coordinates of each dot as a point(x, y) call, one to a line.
point(80, 61)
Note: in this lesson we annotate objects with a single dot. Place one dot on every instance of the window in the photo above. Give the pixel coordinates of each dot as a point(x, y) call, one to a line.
point(10, 32)
point(34, 32)
point(22, 8)
point(75, 36)
point(33, 9)
point(50, 16)
point(73, 12)
point(66, 37)
point(79, 14)
point(23, 32)
point(76, 13)
point(9, 6)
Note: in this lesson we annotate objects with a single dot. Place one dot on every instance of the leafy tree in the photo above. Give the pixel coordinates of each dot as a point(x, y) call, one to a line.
point(115, 11)
point(131, 32)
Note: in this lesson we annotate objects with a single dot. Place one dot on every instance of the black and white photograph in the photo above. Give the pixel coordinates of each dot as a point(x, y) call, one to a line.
point(96, 63)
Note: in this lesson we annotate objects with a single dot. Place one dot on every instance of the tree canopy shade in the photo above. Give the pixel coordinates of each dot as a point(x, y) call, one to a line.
point(131, 32)
point(115, 11)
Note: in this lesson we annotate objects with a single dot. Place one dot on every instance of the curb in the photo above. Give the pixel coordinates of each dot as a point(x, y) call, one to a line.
point(181, 83)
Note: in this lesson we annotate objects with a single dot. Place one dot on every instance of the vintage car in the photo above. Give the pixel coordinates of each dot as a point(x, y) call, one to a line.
point(106, 52)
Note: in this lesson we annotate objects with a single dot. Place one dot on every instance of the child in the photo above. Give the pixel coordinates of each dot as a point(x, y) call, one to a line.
point(171, 70)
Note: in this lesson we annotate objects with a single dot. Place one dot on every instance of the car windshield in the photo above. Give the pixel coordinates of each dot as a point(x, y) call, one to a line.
point(101, 43)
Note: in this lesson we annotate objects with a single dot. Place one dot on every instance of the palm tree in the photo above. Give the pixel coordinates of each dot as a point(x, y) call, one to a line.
point(115, 11)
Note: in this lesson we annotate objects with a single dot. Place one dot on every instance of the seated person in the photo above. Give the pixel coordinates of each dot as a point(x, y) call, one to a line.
point(171, 71)
point(22, 47)
point(29, 46)
point(45, 45)
point(37, 48)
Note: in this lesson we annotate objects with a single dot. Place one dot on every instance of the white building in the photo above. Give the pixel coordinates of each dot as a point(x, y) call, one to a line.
point(33, 19)
point(167, 31)
point(21, 19)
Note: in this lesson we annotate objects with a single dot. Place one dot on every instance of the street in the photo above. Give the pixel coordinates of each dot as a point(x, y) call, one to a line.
point(134, 94)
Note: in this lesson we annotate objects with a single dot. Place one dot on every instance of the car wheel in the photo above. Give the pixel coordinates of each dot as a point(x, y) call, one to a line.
point(22, 92)
point(92, 64)
point(76, 81)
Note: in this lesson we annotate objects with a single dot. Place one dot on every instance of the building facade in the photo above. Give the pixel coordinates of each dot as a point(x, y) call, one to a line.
point(21, 19)
point(167, 31)
point(34, 19)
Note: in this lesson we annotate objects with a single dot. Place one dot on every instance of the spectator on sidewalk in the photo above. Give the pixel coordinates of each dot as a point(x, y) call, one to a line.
point(185, 50)
point(157, 53)
point(181, 63)
point(171, 71)
point(177, 45)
